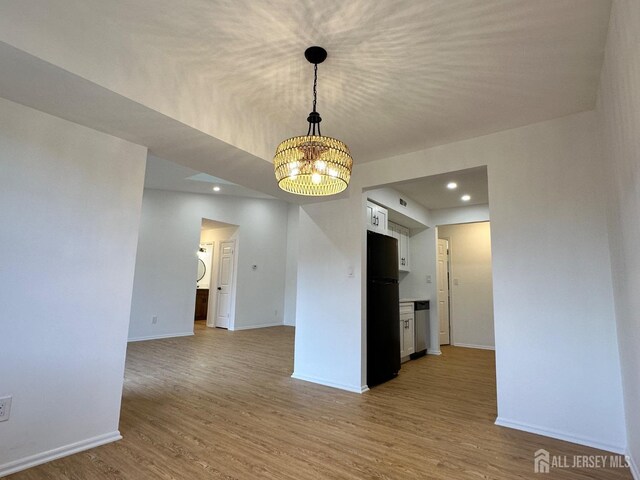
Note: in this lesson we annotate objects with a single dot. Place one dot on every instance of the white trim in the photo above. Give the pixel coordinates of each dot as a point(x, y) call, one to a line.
point(567, 437)
point(44, 457)
point(329, 383)
point(159, 337)
point(633, 466)
point(433, 352)
point(470, 345)
point(251, 327)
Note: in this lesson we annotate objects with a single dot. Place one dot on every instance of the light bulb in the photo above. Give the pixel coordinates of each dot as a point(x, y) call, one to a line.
point(332, 172)
point(321, 165)
point(452, 185)
point(465, 198)
point(316, 178)
point(216, 188)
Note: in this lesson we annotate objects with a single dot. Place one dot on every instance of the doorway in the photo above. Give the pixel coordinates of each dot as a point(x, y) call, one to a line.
point(217, 264)
point(465, 287)
point(224, 285)
point(442, 274)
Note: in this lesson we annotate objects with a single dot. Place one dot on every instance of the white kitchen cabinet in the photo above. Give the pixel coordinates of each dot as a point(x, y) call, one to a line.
point(402, 235)
point(377, 218)
point(407, 331)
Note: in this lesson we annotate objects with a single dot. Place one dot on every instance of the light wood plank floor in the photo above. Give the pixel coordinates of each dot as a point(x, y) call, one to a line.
point(222, 405)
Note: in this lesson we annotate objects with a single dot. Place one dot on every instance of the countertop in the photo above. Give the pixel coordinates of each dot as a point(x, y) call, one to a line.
point(408, 300)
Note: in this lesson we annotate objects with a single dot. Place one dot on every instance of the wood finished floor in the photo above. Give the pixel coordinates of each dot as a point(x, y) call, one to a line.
point(222, 405)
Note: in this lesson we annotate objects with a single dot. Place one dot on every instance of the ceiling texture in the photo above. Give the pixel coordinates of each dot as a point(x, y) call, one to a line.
point(215, 76)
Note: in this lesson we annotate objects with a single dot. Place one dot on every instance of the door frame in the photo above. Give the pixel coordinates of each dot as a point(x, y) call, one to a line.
point(213, 302)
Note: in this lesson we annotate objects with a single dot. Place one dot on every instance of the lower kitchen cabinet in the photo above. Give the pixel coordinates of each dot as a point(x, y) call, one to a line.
point(407, 331)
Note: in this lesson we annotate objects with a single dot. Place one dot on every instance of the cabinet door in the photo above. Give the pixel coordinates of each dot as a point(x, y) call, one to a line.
point(371, 216)
point(377, 218)
point(406, 335)
point(403, 248)
point(409, 337)
point(383, 217)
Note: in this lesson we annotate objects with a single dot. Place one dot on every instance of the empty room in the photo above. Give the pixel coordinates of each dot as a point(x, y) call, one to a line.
point(302, 240)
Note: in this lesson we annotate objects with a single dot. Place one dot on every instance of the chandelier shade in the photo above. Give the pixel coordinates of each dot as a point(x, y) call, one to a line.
point(312, 164)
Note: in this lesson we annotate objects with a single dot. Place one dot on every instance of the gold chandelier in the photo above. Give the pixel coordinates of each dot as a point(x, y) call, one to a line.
point(312, 164)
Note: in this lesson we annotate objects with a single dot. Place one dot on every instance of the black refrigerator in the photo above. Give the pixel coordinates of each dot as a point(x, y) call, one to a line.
point(383, 309)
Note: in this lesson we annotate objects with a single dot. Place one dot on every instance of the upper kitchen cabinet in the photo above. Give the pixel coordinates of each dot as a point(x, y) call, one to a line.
point(402, 235)
point(377, 218)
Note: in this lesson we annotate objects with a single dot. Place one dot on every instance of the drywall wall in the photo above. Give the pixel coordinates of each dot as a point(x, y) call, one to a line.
point(291, 280)
point(328, 342)
point(553, 306)
point(164, 284)
point(618, 113)
point(449, 216)
point(66, 296)
point(471, 293)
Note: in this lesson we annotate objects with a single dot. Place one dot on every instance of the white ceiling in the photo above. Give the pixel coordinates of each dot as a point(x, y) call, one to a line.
point(401, 75)
point(432, 192)
point(214, 85)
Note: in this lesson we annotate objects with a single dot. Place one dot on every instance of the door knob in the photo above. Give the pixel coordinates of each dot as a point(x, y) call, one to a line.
point(219, 288)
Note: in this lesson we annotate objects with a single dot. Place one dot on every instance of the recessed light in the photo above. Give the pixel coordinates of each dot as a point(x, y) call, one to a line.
point(465, 198)
point(216, 188)
point(452, 185)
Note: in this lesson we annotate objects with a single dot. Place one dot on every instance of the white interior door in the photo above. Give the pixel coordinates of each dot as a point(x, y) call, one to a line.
point(226, 262)
point(443, 291)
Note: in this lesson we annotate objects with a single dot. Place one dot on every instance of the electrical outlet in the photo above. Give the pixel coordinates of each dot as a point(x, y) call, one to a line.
point(5, 408)
point(154, 319)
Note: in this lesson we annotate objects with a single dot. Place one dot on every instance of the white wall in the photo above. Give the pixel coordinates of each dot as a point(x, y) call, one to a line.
point(65, 296)
point(291, 280)
point(166, 263)
point(557, 354)
point(469, 214)
point(619, 116)
point(328, 342)
point(471, 304)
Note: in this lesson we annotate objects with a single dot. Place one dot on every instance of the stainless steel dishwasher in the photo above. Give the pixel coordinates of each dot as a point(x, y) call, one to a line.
point(421, 322)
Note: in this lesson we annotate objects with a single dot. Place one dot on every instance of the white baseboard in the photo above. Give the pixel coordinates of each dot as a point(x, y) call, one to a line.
point(44, 457)
point(329, 383)
point(433, 352)
point(471, 345)
point(633, 466)
point(567, 437)
point(251, 327)
point(159, 337)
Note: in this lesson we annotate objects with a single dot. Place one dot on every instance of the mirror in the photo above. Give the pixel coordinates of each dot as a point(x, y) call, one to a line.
point(202, 269)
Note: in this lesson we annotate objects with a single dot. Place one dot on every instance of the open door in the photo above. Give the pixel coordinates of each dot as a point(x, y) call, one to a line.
point(226, 276)
point(443, 291)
